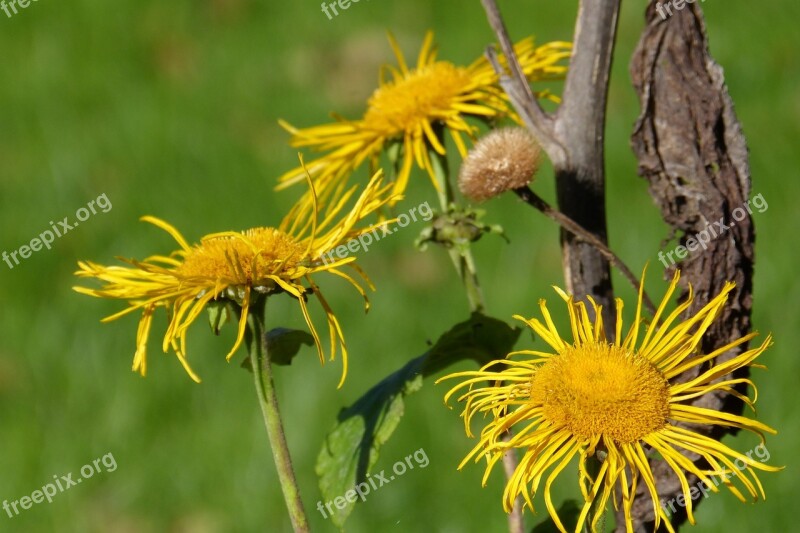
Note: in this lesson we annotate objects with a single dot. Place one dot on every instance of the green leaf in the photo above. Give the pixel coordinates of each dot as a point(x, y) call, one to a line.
point(481, 338)
point(352, 447)
point(283, 345)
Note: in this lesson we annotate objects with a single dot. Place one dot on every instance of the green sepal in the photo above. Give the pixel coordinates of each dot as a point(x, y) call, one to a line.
point(219, 314)
point(457, 228)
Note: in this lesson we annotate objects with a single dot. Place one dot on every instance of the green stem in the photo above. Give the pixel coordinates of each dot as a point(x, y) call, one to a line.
point(463, 260)
point(268, 399)
point(464, 263)
point(593, 466)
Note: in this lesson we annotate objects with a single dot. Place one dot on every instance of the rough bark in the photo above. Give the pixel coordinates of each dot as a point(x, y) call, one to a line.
point(692, 151)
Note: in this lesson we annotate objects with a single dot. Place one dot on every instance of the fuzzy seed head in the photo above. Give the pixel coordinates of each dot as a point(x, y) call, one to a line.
point(502, 160)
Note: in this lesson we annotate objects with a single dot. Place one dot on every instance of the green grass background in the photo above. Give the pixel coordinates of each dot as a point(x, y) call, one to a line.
point(171, 108)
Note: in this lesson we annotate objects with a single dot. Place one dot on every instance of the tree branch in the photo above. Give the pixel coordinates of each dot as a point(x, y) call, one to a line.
point(535, 201)
point(535, 118)
point(574, 140)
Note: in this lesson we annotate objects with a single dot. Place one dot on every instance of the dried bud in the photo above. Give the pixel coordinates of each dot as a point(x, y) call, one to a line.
point(500, 161)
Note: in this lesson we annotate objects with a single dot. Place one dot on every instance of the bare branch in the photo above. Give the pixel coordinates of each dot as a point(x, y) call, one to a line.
point(535, 201)
point(539, 124)
point(574, 140)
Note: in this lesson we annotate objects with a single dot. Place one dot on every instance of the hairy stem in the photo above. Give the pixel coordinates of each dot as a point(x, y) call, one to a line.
point(463, 260)
point(464, 263)
point(593, 466)
point(268, 399)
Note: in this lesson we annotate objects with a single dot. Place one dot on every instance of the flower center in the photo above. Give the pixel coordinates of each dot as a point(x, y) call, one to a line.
point(245, 260)
point(424, 95)
point(602, 389)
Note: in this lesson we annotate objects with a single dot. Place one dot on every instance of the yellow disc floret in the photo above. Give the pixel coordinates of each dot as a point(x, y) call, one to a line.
point(245, 258)
point(423, 96)
point(602, 389)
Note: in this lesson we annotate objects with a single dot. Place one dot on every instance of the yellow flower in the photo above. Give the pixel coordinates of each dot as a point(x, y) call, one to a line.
point(409, 107)
point(620, 401)
point(240, 267)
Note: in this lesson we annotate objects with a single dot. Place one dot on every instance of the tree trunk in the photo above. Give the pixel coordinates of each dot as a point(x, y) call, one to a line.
point(692, 151)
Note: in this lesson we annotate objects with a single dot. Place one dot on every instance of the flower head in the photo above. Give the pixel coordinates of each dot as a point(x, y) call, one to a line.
point(412, 105)
point(502, 160)
point(240, 267)
point(620, 401)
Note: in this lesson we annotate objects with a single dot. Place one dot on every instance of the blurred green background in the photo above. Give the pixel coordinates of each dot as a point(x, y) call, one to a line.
point(171, 109)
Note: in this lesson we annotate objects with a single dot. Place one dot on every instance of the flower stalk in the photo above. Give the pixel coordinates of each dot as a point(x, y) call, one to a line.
point(464, 263)
point(268, 399)
point(593, 467)
point(462, 257)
